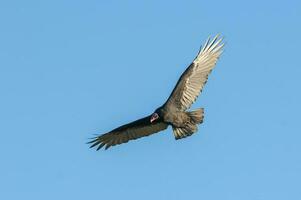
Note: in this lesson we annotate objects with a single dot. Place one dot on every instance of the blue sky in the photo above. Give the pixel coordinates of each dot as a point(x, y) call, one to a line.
point(71, 69)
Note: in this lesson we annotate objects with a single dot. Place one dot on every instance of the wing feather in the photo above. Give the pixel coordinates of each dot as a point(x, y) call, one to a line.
point(125, 133)
point(192, 81)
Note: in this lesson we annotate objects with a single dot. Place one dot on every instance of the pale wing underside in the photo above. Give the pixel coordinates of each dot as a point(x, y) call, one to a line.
point(192, 81)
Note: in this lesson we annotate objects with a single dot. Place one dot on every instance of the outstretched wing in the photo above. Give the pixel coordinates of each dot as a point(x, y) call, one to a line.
point(131, 131)
point(192, 81)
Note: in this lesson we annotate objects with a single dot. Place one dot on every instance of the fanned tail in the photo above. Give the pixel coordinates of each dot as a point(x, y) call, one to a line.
point(196, 117)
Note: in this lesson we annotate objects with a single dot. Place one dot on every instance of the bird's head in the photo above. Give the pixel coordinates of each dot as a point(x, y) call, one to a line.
point(154, 117)
point(157, 115)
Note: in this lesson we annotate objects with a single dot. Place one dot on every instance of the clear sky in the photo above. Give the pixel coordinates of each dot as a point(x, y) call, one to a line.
point(71, 69)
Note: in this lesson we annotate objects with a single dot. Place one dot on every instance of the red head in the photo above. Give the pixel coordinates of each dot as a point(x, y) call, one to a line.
point(154, 117)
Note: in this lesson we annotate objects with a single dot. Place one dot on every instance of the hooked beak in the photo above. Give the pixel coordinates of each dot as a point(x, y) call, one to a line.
point(154, 117)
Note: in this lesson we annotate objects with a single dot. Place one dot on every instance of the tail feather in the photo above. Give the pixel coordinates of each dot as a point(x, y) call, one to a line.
point(197, 115)
point(191, 127)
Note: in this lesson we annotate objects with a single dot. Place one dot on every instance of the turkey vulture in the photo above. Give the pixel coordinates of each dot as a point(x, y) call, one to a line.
point(174, 111)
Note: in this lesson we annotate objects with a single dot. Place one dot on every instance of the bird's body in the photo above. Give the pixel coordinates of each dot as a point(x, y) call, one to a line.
point(174, 111)
point(177, 119)
point(173, 117)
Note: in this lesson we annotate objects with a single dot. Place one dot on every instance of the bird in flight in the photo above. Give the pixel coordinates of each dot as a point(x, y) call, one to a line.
point(174, 111)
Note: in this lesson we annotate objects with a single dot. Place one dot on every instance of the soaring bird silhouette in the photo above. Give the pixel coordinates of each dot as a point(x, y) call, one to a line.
point(173, 111)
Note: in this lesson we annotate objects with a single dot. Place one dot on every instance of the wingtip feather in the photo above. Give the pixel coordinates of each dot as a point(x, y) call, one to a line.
point(215, 45)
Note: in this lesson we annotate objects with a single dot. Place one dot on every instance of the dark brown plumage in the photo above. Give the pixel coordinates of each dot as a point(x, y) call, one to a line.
point(173, 112)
